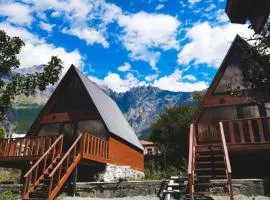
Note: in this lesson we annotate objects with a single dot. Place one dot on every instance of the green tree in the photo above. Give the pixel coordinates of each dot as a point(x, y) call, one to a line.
point(170, 132)
point(13, 84)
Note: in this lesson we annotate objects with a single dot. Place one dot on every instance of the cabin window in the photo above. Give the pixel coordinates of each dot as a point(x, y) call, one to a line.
point(49, 129)
point(208, 127)
point(67, 129)
point(94, 127)
point(249, 111)
point(149, 151)
point(267, 109)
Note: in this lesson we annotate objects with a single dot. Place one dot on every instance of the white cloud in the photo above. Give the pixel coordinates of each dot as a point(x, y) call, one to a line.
point(90, 35)
point(116, 83)
point(16, 13)
point(210, 7)
point(174, 82)
point(125, 67)
point(151, 78)
point(143, 32)
point(36, 51)
point(85, 19)
point(47, 27)
point(189, 77)
point(192, 2)
point(208, 45)
point(221, 16)
point(159, 6)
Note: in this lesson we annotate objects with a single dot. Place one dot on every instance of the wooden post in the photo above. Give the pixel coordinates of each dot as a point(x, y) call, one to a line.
point(74, 181)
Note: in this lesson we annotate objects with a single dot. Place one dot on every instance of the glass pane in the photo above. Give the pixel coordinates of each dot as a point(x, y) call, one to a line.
point(94, 127)
point(67, 129)
point(49, 129)
point(250, 111)
point(208, 127)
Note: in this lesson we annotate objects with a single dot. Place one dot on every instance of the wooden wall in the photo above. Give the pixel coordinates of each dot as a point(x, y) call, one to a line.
point(121, 153)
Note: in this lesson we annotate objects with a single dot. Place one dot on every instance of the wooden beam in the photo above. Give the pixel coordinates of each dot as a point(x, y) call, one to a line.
point(72, 116)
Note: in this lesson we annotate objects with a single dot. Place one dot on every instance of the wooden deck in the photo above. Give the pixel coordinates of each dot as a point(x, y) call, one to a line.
point(51, 165)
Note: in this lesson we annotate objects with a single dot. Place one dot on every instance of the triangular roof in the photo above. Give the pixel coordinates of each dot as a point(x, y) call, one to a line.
point(237, 42)
point(110, 113)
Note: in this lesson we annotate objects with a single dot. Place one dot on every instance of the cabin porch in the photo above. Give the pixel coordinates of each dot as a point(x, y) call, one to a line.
point(46, 161)
point(242, 136)
point(228, 149)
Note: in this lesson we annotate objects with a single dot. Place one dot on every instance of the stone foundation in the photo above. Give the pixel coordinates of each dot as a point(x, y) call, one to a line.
point(119, 173)
point(247, 187)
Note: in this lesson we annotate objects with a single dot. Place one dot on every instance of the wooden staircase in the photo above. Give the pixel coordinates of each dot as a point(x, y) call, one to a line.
point(209, 167)
point(48, 175)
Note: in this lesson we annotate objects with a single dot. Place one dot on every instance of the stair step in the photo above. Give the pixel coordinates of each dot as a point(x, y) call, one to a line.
point(210, 169)
point(209, 156)
point(202, 193)
point(210, 184)
point(174, 191)
point(209, 162)
point(210, 176)
point(176, 184)
point(209, 145)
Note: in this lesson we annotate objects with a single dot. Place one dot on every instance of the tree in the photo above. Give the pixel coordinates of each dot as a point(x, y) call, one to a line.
point(13, 84)
point(170, 133)
point(256, 75)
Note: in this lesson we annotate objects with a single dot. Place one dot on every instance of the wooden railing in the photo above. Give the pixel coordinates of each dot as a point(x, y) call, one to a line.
point(28, 146)
point(191, 157)
point(227, 160)
point(94, 146)
point(65, 167)
point(37, 171)
point(247, 131)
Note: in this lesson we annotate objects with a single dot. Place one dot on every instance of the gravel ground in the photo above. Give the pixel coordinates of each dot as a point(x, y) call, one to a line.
point(236, 197)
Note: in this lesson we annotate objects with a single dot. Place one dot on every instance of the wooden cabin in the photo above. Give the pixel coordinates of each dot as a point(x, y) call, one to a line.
point(79, 132)
point(230, 136)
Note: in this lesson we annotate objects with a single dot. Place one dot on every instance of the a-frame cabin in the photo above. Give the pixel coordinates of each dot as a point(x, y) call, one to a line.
point(79, 130)
point(230, 136)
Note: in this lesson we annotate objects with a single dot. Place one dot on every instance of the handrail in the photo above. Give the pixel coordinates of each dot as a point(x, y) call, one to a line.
point(34, 175)
point(70, 164)
point(44, 155)
point(65, 156)
point(227, 160)
point(244, 119)
point(190, 149)
point(190, 161)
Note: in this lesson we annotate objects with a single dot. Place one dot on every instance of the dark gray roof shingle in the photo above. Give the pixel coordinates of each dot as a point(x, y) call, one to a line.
point(110, 112)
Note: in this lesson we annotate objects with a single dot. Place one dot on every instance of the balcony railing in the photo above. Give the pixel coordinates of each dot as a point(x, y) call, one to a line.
point(247, 131)
point(25, 147)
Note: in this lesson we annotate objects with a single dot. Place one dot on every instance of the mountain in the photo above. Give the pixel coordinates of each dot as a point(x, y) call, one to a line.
point(140, 105)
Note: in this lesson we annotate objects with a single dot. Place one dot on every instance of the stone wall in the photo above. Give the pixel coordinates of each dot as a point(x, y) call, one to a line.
point(247, 187)
point(117, 173)
point(118, 189)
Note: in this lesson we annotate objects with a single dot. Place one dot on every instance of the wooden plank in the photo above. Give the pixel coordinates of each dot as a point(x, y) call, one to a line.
point(261, 132)
point(251, 132)
point(66, 117)
point(241, 131)
point(232, 132)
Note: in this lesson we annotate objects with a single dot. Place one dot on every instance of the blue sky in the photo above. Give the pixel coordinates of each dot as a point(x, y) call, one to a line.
point(175, 45)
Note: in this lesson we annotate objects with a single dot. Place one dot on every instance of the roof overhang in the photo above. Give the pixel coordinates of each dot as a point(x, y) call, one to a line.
point(257, 11)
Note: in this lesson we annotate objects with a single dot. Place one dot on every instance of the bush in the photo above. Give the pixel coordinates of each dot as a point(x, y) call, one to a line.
point(8, 195)
point(2, 132)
